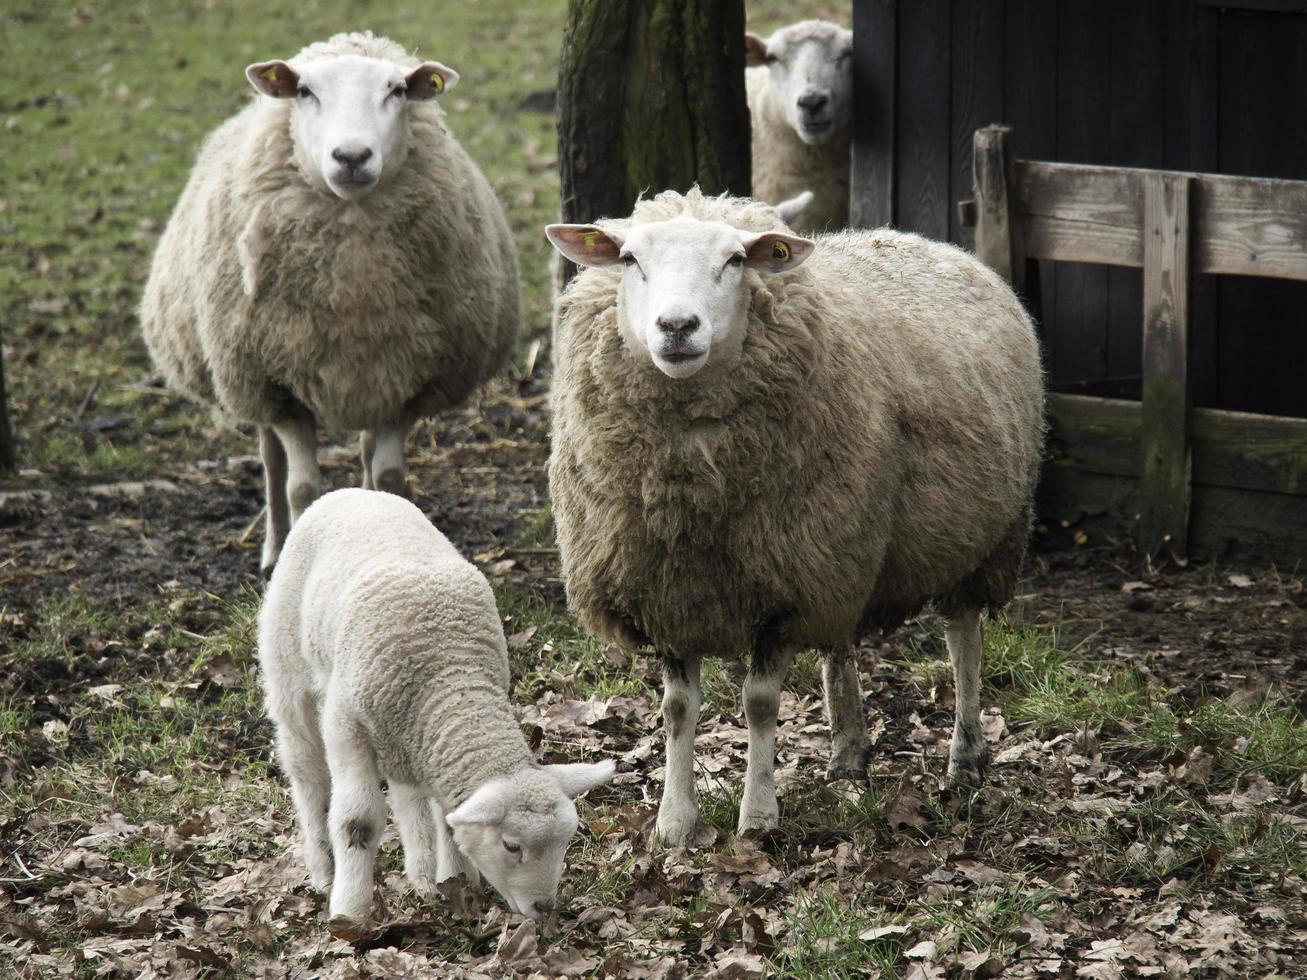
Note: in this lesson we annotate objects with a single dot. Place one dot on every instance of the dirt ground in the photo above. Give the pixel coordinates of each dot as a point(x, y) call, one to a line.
point(726, 906)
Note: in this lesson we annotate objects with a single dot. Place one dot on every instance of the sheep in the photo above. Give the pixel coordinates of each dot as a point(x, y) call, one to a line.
point(335, 259)
point(382, 654)
point(764, 443)
point(800, 82)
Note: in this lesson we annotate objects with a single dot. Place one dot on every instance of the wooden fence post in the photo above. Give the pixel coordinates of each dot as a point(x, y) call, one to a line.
point(993, 176)
point(1167, 396)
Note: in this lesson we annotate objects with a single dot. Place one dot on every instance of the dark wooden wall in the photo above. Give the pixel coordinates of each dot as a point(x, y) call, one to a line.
point(1175, 84)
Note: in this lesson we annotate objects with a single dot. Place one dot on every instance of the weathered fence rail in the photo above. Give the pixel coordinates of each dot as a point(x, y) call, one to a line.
point(1184, 479)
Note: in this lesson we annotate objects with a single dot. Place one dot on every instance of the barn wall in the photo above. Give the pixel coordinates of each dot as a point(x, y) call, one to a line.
point(1176, 84)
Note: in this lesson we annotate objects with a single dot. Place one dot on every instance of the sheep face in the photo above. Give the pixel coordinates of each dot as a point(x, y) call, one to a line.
point(811, 68)
point(684, 296)
point(515, 831)
point(349, 120)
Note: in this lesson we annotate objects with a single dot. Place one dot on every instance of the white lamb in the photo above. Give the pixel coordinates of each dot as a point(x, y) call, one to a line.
point(336, 259)
point(383, 654)
point(800, 83)
point(764, 443)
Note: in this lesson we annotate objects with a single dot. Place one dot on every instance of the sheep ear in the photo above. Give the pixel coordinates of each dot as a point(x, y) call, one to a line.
point(586, 244)
point(794, 206)
point(755, 50)
point(430, 79)
point(274, 78)
point(576, 778)
point(485, 806)
point(775, 251)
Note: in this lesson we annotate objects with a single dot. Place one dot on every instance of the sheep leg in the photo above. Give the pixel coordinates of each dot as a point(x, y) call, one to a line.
point(849, 748)
point(277, 521)
point(367, 446)
point(303, 757)
point(385, 466)
point(417, 832)
point(762, 700)
point(299, 437)
point(968, 755)
point(679, 810)
point(357, 814)
point(449, 859)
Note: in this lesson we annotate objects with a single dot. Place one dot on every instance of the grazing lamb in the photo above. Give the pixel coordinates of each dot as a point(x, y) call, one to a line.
point(336, 259)
point(763, 443)
point(383, 655)
point(800, 83)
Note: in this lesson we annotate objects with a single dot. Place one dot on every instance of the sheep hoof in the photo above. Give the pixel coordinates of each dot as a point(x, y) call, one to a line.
point(849, 764)
point(967, 771)
point(676, 830)
point(759, 821)
point(348, 928)
point(423, 884)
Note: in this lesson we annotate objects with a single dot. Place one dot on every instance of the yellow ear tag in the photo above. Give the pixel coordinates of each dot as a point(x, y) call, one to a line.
point(437, 83)
point(271, 74)
point(779, 250)
point(590, 237)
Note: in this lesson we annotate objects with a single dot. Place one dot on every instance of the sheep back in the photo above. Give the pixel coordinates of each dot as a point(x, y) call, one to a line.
point(875, 447)
point(266, 289)
point(784, 166)
point(383, 613)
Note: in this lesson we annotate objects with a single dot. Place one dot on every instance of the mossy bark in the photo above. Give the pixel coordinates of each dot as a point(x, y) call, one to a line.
point(650, 97)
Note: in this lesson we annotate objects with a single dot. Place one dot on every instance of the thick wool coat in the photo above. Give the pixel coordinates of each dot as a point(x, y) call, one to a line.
point(874, 447)
point(268, 290)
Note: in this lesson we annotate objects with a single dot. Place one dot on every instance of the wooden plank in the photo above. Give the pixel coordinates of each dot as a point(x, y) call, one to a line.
point(1074, 213)
point(1135, 139)
point(1234, 450)
point(1252, 227)
point(1079, 322)
point(1030, 108)
point(1262, 346)
point(922, 177)
point(1260, 6)
point(1190, 53)
point(1248, 226)
point(1167, 397)
point(993, 173)
point(976, 94)
point(875, 75)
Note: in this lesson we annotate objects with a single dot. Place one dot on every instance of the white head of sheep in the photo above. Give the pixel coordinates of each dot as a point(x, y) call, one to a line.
point(515, 830)
point(684, 294)
point(811, 66)
point(349, 121)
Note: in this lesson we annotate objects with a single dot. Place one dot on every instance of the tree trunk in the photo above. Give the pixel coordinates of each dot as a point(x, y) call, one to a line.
point(650, 98)
point(8, 455)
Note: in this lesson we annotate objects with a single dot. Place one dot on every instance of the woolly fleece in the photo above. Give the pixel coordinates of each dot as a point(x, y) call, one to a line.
point(370, 605)
point(875, 447)
point(266, 289)
point(784, 166)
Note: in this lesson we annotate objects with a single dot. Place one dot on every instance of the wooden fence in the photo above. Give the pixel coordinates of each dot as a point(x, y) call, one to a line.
point(1205, 481)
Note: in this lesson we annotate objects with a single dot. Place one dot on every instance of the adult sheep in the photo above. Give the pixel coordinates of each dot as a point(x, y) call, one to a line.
point(800, 84)
point(383, 654)
point(763, 443)
point(335, 259)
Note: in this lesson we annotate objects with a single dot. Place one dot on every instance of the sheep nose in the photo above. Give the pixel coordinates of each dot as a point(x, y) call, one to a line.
point(675, 325)
point(352, 159)
point(813, 102)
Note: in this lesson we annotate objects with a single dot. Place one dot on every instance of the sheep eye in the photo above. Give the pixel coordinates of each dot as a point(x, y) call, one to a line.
point(735, 260)
point(512, 848)
point(304, 92)
point(770, 59)
point(399, 91)
point(629, 262)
